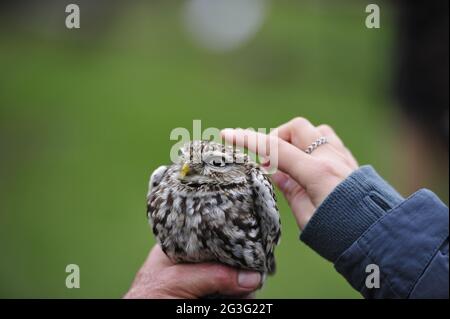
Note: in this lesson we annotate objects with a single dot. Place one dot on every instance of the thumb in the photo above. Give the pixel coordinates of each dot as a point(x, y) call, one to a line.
point(297, 197)
point(198, 280)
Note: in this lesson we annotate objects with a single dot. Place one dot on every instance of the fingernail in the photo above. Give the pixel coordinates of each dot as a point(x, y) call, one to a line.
point(280, 180)
point(249, 279)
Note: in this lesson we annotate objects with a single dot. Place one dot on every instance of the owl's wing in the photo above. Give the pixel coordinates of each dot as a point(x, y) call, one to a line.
point(155, 180)
point(156, 177)
point(265, 206)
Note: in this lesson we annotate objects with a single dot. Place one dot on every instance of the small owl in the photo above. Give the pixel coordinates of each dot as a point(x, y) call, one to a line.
point(215, 204)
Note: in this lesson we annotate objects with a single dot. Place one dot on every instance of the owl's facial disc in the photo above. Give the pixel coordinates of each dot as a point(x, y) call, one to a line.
point(204, 162)
point(213, 170)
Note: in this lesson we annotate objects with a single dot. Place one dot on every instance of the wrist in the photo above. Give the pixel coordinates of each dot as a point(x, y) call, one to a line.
point(348, 211)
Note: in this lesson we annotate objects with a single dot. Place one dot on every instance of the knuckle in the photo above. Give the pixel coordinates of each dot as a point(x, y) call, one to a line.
point(327, 129)
point(300, 122)
point(222, 276)
point(327, 168)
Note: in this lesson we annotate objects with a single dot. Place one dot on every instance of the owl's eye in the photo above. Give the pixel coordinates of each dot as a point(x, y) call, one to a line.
point(216, 161)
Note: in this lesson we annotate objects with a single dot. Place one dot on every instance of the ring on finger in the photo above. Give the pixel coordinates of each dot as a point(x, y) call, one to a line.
point(320, 141)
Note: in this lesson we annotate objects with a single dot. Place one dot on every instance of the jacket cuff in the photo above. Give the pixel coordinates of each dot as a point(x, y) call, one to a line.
point(353, 206)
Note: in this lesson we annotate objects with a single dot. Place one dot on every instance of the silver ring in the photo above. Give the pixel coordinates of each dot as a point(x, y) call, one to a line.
point(320, 141)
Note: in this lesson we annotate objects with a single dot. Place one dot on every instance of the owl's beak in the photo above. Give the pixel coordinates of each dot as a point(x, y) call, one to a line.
point(185, 170)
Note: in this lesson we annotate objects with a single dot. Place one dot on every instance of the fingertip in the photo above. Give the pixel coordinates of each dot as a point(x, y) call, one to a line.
point(280, 179)
point(249, 279)
point(232, 281)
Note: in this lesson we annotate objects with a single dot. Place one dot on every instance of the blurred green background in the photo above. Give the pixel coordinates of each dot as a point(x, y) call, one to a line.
point(85, 116)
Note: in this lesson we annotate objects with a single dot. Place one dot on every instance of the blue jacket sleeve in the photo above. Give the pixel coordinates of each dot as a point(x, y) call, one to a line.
point(384, 245)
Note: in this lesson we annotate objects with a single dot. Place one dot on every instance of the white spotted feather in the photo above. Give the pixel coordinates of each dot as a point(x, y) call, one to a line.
point(223, 210)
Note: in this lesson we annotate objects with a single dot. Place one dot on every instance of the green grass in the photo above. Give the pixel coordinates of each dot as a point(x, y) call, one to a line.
point(83, 122)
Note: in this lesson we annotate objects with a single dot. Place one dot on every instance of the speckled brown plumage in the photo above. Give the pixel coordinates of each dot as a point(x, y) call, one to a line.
point(223, 209)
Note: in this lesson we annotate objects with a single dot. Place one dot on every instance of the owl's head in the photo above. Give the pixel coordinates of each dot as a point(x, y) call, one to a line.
point(205, 162)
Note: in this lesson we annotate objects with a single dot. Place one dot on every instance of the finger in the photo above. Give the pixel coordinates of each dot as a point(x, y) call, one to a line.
point(157, 259)
point(334, 140)
point(299, 201)
point(352, 160)
point(331, 135)
point(299, 132)
point(249, 296)
point(209, 279)
point(284, 155)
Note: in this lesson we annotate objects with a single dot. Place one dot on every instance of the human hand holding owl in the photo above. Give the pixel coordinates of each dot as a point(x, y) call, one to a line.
point(159, 278)
point(211, 210)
